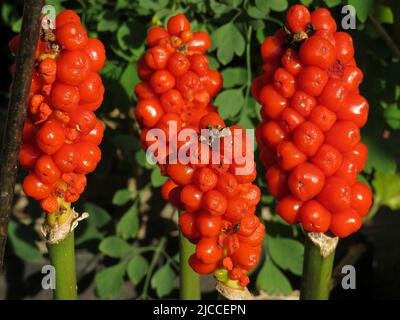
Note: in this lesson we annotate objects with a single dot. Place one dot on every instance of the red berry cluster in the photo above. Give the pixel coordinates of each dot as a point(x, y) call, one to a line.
point(312, 113)
point(61, 133)
point(177, 87)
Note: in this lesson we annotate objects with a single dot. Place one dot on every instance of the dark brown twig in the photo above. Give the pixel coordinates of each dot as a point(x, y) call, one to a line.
point(385, 36)
point(16, 113)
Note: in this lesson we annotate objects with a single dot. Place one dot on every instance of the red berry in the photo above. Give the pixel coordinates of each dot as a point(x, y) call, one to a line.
point(34, 188)
point(314, 217)
point(317, 51)
point(288, 208)
point(298, 17)
point(361, 199)
point(306, 181)
point(345, 223)
point(336, 194)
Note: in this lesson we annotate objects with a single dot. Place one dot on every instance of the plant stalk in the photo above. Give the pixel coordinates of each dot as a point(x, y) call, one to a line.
point(189, 280)
point(317, 271)
point(62, 257)
point(16, 113)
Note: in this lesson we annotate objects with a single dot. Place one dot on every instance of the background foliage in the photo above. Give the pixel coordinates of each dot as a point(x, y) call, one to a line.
point(128, 246)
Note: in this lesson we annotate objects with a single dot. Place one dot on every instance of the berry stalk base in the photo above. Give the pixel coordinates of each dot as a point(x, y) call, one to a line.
point(62, 257)
point(317, 268)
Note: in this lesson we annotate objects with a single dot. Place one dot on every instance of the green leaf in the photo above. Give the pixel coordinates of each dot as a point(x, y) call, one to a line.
point(392, 115)
point(163, 281)
point(122, 197)
point(157, 179)
point(234, 3)
point(308, 2)
point(141, 159)
point(229, 41)
point(131, 35)
point(272, 280)
point(107, 22)
point(123, 31)
point(137, 269)
point(234, 77)
point(278, 5)
point(229, 103)
point(22, 241)
point(262, 5)
point(249, 112)
point(109, 281)
point(128, 225)
point(16, 26)
point(387, 189)
point(129, 79)
point(9, 14)
point(384, 13)
point(153, 4)
point(100, 216)
point(219, 8)
point(255, 13)
point(115, 247)
point(332, 3)
point(214, 64)
point(380, 154)
point(287, 253)
point(122, 4)
point(363, 8)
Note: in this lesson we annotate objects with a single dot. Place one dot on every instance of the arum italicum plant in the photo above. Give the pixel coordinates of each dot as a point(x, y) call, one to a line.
point(312, 112)
point(177, 86)
point(61, 133)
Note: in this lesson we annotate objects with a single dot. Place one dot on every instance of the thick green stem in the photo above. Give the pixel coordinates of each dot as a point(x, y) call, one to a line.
point(190, 280)
point(62, 257)
point(317, 272)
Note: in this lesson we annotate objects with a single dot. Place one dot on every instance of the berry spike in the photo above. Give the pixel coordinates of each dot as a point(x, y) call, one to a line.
point(61, 133)
point(216, 194)
point(312, 113)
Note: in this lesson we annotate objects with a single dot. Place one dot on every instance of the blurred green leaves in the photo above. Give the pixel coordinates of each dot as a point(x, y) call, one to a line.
point(137, 269)
point(286, 253)
point(234, 77)
point(271, 280)
point(128, 225)
point(121, 197)
point(229, 103)
point(114, 247)
point(22, 241)
point(387, 190)
point(363, 8)
point(163, 281)
point(116, 213)
point(109, 281)
point(228, 41)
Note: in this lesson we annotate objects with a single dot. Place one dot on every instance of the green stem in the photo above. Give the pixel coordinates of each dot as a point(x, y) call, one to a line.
point(190, 280)
point(153, 263)
point(317, 272)
point(62, 257)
